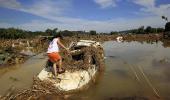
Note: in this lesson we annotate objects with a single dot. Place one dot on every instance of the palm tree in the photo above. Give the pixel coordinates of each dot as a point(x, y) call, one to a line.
point(165, 18)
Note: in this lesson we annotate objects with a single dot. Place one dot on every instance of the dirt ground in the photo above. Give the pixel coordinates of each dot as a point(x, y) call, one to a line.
point(128, 37)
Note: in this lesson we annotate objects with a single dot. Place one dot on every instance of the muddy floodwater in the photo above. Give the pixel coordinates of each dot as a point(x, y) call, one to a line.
point(132, 69)
point(21, 76)
point(126, 60)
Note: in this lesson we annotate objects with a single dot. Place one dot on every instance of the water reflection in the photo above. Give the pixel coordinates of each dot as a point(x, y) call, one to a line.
point(119, 73)
point(119, 81)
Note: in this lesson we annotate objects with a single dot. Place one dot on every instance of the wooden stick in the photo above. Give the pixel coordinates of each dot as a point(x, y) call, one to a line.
point(133, 70)
point(149, 83)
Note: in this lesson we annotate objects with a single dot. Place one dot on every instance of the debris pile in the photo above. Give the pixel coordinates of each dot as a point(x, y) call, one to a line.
point(81, 59)
point(10, 57)
point(17, 51)
point(38, 89)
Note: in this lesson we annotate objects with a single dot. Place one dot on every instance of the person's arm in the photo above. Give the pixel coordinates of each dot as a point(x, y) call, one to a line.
point(59, 42)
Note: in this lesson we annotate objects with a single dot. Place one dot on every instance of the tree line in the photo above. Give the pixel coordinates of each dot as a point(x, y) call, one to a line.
point(141, 30)
point(14, 33)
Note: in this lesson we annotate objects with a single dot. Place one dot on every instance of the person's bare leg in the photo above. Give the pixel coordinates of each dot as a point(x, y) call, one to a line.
point(60, 65)
point(54, 68)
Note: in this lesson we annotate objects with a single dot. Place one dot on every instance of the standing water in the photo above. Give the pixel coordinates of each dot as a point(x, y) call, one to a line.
point(132, 70)
point(21, 76)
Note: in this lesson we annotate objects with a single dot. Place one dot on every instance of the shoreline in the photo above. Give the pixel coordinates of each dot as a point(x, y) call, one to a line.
point(10, 55)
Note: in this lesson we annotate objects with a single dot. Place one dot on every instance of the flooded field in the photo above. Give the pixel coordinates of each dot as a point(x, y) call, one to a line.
point(123, 78)
point(132, 69)
point(21, 76)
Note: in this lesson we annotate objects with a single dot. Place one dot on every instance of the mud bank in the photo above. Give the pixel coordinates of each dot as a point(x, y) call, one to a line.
point(127, 37)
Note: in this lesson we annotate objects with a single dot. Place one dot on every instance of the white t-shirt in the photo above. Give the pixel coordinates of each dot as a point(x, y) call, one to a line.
point(53, 46)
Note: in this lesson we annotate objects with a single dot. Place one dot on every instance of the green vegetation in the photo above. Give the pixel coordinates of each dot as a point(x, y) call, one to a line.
point(166, 33)
point(113, 32)
point(167, 27)
point(51, 32)
point(93, 32)
point(165, 18)
point(13, 33)
point(142, 30)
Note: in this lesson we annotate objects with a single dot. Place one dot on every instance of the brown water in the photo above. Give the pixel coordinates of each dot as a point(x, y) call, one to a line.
point(119, 80)
point(122, 61)
point(20, 76)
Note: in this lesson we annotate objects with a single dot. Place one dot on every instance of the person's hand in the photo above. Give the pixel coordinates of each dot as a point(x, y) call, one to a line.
point(68, 51)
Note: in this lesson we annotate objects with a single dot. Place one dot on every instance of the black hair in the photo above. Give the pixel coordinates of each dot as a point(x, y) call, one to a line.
point(58, 35)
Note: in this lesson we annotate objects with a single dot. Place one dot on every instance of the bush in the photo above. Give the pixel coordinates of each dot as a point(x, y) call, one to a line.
point(167, 27)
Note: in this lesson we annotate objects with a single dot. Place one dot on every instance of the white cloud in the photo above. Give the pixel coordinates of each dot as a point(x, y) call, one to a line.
point(14, 4)
point(53, 10)
point(145, 3)
point(5, 25)
point(100, 26)
point(106, 3)
point(48, 7)
point(39, 7)
point(149, 6)
point(160, 10)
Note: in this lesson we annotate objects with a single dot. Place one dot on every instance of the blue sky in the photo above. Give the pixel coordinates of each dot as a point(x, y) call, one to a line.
point(99, 15)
